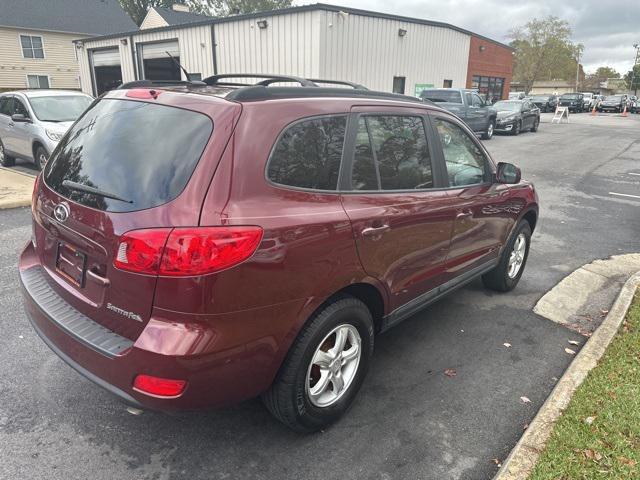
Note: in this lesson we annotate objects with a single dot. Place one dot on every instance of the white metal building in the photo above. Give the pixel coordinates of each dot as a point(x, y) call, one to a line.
point(383, 52)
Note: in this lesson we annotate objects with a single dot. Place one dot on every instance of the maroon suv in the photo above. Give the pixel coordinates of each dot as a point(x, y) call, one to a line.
point(200, 244)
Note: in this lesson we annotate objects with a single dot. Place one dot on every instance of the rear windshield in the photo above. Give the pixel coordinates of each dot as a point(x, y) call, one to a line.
point(141, 153)
point(450, 96)
point(570, 96)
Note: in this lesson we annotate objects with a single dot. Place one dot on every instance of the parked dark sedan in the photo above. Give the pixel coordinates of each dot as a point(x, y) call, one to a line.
point(613, 103)
point(546, 103)
point(515, 116)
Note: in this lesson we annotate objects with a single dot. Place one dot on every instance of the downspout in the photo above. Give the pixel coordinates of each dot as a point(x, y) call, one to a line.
point(133, 58)
point(213, 49)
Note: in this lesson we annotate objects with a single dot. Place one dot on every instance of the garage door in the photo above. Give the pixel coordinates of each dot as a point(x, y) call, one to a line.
point(106, 58)
point(159, 50)
point(156, 64)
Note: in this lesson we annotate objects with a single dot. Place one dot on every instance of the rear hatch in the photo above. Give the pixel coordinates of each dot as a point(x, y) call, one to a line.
point(125, 165)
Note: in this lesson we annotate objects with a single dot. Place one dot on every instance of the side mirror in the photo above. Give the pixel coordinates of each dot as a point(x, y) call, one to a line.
point(20, 118)
point(508, 173)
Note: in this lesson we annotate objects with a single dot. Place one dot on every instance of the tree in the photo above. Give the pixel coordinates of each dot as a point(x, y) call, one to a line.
point(593, 80)
point(223, 8)
point(632, 79)
point(544, 51)
point(137, 9)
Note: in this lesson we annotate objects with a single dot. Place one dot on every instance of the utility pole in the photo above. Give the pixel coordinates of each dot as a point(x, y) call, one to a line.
point(633, 70)
point(577, 70)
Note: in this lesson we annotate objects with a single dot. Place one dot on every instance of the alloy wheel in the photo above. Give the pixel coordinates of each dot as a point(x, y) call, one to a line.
point(1, 154)
point(333, 366)
point(42, 159)
point(516, 259)
point(490, 130)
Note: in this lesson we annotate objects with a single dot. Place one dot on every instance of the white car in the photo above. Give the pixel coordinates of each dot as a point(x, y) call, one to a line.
point(588, 101)
point(32, 122)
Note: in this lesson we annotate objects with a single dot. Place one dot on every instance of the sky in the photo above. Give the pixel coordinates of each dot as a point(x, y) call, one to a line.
point(607, 28)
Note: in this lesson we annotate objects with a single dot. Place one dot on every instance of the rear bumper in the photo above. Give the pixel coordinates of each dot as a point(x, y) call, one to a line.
point(221, 366)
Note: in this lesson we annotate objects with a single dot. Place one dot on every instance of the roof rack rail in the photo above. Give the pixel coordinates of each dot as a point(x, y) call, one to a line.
point(261, 92)
point(161, 83)
point(355, 86)
point(269, 79)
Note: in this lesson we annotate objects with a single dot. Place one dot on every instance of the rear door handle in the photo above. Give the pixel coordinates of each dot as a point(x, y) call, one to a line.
point(371, 231)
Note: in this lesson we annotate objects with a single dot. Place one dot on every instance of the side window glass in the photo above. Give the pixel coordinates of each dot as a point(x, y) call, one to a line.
point(391, 154)
point(365, 174)
point(469, 98)
point(477, 101)
point(5, 105)
point(466, 163)
point(19, 108)
point(308, 154)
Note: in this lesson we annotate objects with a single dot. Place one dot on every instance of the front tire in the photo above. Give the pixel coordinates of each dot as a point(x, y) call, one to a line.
point(508, 272)
point(324, 368)
point(488, 134)
point(41, 157)
point(536, 124)
point(516, 128)
point(5, 160)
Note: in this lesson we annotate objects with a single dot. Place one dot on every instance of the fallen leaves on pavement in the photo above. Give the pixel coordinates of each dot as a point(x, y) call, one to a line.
point(525, 400)
point(450, 372)
point(506, 344)
point(569, 351)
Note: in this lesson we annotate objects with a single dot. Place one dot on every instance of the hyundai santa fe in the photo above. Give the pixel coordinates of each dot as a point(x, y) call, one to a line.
point(198, 244)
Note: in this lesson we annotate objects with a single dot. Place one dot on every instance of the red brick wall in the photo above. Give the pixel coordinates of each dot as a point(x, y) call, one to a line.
point(491, 61)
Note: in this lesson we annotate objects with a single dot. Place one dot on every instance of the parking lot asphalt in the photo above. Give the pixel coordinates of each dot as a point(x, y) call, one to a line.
point(410, 419)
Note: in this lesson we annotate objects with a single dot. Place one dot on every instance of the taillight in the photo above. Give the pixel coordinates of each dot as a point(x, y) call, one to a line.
point(159, 387)
point(140, 251)
point(186, 251)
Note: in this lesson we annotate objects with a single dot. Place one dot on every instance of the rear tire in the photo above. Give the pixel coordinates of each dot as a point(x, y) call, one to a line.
point(507, 274)
point(5, 159)
point(297, 397)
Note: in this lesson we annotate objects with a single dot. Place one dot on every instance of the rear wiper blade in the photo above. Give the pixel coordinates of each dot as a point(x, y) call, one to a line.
point(93, 191)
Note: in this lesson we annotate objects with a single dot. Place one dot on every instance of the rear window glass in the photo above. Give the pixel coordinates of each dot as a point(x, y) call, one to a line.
point(450, 96)
point(308, 154)
point(142, 153)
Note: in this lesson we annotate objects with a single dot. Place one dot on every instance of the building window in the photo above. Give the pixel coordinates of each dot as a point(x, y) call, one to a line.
point(398, 84)
point(37, 81)
point(489, 88)
point(31, 46)
point(447, 84)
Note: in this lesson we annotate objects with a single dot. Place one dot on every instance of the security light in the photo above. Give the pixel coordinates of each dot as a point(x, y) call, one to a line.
point(262, 24)
point(402, 32)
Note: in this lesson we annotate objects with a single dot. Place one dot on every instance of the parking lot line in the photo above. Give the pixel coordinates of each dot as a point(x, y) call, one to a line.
point(632, 173)
point(625, 195)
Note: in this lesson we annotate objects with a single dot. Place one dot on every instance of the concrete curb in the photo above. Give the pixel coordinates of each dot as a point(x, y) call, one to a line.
point(15, 188)
point(520, 462)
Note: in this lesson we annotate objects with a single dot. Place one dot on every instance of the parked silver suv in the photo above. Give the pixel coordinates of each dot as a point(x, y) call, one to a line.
point(32, 122)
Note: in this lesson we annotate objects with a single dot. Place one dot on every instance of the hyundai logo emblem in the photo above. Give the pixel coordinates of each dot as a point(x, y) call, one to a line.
point(61, 212)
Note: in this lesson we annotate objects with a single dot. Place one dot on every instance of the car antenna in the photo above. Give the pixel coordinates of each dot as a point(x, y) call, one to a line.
point(178, 64)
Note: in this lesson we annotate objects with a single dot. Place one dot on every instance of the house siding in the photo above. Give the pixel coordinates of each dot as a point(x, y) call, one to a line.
point(59, 64)
point(153, 20)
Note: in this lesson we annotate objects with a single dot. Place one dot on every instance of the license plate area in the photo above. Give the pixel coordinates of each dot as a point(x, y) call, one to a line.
point(71, 264)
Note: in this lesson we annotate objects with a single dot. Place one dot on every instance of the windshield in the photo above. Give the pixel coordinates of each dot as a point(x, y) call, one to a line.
point(506, 105)
point(540, 98)
point(614, 97)
point(139, 152)
point(570, 96)
point(60, 108)
point(450, 96)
